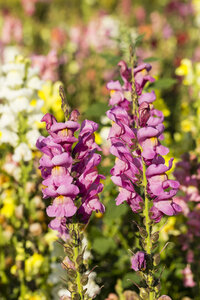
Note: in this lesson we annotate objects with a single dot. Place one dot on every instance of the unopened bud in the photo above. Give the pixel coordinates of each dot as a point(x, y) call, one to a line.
point(144, 294)
point(84, 279)
point(156, 259)
point(76, 296)
point(79, 259)
point(143, 232)
point(72, 273)
point(155, 237)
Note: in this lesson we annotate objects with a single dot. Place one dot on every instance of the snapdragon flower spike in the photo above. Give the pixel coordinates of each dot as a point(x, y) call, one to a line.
point(135, 139)
point(70, 174)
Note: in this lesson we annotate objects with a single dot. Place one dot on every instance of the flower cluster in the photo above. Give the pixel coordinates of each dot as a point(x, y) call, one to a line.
point(188, 173)
point(70, 173)
point(20, 109)
point(135, 141)
point(47, 65)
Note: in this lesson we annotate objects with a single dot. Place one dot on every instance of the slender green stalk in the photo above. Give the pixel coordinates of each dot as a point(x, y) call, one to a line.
point(78, 277)
point(148, 243)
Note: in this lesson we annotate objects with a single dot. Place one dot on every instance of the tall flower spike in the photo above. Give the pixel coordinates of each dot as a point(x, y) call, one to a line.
point(136, 138)
point(135, 135)
point(69, 169)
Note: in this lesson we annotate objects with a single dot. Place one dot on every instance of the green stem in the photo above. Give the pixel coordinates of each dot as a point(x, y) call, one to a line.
point(146, 211)
point(148, 228)
point(78, 278)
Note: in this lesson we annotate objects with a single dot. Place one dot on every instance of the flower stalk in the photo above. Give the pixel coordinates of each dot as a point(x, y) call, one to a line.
point(140, 170)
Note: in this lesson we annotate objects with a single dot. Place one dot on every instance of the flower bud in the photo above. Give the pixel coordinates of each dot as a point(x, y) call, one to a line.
point(138, 261)
point(156, 259)
point(155, 237)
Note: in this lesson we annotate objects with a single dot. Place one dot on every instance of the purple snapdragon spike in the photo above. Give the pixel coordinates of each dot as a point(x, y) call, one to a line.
point(187, 171)
point(136, 138)
point(140, 171)
point(70, 175)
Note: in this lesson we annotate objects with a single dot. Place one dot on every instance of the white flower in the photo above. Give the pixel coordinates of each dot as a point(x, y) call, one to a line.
point(104, 134)
point(22, 152)
point(32, 136)
point(19, 86)
point(14, 79)
point(64, 292)
point(92, 288)
point(7, 120)
point(9, 53)
point(9, 137)
point(34, 83)
point(20, 104)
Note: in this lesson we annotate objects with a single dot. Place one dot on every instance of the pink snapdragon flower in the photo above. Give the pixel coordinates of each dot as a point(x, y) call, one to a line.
point(138, 261)
point(47, 65)
point(188, 277)
point(12, 30)
point(135, 138)
point(70, 175)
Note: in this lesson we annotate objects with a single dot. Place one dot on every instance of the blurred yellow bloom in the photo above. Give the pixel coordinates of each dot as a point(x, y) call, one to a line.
point(35, 296)
point(169, 228)
point(196, 5)
point(13, 270)
point(8, 204)
point(33, 102)
point(50, 237)
point(51, 97)
point(185, 69)
point(186, 125)
point(20, 252)
point(33, 264)
point(8, 208)
point(98, 138)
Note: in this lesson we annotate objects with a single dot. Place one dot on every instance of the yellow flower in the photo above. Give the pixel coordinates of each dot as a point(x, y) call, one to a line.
point(186, 125)
point(185, 69)
point(8, 205)
point(50, 237)
point(33, 264)
point(98, 138)
point(51, 97)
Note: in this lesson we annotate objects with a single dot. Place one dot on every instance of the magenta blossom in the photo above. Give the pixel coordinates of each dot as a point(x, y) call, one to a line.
point(70, 175)
point(135, 140)
point(138, 261)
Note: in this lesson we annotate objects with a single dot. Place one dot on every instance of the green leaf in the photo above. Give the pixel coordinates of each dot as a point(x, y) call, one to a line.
point(163, 83)
point(103, 245)
point(96, 110)
point(111, 59)
point(150, 59)
point(114, 212)
point(129, 278)
point(139, 39)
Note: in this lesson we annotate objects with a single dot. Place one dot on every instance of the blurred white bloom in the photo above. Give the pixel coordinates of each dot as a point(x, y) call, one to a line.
point(105, 120)
point(22, 152)
point(64, 293)
point(87, 254)
point(19, 87)
point(34, 83)
point(104, 134)
point(20, 104)
point(9, 53)
point(32, 137)
point(92, 288)
point(8, 136)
